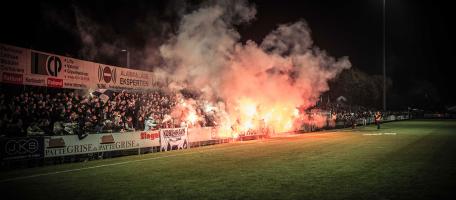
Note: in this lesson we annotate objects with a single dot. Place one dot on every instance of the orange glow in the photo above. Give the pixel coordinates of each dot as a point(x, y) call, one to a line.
point(247, 125)
point(288, 125)
point(192, 117)
point(250, 114)
point(295, 112)
point(248, 108)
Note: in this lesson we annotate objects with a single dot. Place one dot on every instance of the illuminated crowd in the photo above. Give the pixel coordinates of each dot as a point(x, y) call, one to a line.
point(77, 112)
point(62, 112)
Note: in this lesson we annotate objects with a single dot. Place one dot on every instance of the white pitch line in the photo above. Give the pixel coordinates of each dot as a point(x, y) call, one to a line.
point(380, 134)
point(390, 133)
point(96, 166)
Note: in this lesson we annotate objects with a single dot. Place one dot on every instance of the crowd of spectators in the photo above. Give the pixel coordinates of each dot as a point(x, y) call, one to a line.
point(73, 112)
point(35, 112)
point(351, 115)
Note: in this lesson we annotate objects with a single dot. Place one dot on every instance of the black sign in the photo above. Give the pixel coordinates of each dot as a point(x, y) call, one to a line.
point(45, 64)
point(22, 148)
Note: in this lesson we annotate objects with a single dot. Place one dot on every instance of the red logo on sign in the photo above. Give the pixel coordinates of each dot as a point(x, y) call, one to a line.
point(106, 74)
point(12, 78)
point(149, 135)
point(55, 82)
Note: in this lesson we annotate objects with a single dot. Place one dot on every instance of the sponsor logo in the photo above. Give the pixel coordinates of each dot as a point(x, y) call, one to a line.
point(12, 78)
point(134, 74)
point(75, 85)
point(56, 143)
point(133, 82)
point(22, 146)
point(34, 80)
point(107, 139)
point(106, 74)
point(70, 145)
point(53, 65)
point(55, 82)
point(149, 136)
point(45, 64)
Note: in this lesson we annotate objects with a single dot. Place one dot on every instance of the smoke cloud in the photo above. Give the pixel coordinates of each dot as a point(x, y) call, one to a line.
point(272, 79)
point(90, 34)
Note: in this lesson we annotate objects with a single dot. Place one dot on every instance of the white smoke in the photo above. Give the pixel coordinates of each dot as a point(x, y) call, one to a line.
point(285, 70)
point(205, 42)
point(89, 34)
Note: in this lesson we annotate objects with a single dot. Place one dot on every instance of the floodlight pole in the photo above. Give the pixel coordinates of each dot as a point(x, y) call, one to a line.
point(384, 55)
point(128, 57)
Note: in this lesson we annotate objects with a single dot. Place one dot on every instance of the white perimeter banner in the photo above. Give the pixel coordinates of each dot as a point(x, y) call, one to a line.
point(173, 138)
point(202, 134)
point(72, 145)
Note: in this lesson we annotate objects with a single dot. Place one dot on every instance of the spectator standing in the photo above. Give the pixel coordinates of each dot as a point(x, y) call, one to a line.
point(378, 118)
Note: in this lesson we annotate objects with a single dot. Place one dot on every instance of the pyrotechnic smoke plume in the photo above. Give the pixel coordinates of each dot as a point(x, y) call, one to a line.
point(258, 82)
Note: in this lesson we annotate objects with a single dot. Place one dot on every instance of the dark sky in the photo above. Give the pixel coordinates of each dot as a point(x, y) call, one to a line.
point(420, 42)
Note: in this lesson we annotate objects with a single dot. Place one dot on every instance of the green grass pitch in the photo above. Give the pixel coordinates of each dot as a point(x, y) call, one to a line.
point(403, 160)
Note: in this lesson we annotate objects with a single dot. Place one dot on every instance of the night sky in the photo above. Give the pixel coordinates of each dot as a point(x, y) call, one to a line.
point(419, 40)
